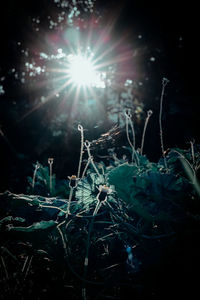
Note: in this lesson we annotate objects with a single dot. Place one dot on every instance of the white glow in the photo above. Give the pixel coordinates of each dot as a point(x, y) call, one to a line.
point(82, 72)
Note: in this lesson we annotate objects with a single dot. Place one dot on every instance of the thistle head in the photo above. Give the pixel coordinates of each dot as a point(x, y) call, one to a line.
point(103, 193)
point(80, 127)
point(73, 180)
point(149, 113)
point(50, 160)
point(127, 113)
point(165, 81)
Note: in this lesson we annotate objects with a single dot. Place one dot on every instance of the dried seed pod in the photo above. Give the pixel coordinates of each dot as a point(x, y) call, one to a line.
point(50, 160)
point(103, 193)
point(73, 181)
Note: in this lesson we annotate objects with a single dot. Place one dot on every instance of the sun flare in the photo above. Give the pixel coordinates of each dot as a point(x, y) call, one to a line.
point(82, 71)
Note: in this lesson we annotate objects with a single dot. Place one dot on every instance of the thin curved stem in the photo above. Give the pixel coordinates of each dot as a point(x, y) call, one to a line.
point(85, 169)
point(34, 175)
point(164, 83)
point(86, 261)
point(128, 120)
point(80, 128)
point(69, 201)
point(149, 113)
point(90, 158)
point(192, 152)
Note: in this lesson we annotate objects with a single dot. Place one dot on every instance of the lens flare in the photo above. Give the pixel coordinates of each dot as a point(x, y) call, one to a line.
point(82, 71)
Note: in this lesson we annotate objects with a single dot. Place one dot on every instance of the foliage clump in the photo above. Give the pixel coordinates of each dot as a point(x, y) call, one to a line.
point(148, 207)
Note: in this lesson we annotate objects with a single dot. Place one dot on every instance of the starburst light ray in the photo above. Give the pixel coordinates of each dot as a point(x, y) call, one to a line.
point(82, 71)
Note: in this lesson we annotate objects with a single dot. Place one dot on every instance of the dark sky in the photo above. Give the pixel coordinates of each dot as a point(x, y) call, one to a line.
point(169, 32)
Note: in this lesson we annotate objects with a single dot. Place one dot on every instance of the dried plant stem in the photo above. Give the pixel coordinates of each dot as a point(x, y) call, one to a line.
point(132, 144)
point(97, 208)
point(34, 175)
point(54, 207)
point(80, 128)
point(62, 237)
point(164, 83)
point(50, 178)
point(27, 263)
point(4, 267)
point(149, 113)
point(86, 260)
point(95, 168)
point(90, 158)
point(64, 240)
point(132, 130)
point(85, 169)
point(69, 201)
point(192, 152)
point(4, 249)
point(24, 265)
point(50, 162)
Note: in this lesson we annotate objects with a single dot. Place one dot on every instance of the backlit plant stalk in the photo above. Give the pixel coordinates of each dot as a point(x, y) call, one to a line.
point(164, 83)
point(50, 162)
point(101, 198)
point(69, 201)
point(132, 144)
point(85, 169)
point(37, 166)
point(74, 179)
point(192, 151)
point(80, 128)
point(72, 184)
point(149, 113)
point(90, 158)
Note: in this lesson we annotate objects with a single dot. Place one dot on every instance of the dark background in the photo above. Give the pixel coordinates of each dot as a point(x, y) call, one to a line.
point(169, 33)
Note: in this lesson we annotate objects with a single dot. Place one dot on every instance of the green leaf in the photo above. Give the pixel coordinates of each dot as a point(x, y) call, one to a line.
point(39, 226)
point(122, 178)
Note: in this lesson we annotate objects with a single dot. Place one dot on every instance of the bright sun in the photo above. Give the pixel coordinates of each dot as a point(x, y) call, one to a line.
point(82, 71)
